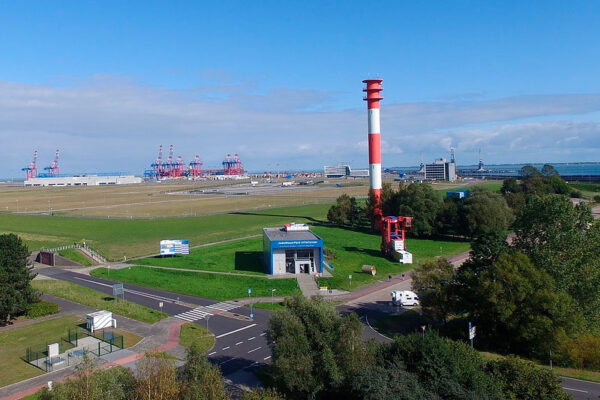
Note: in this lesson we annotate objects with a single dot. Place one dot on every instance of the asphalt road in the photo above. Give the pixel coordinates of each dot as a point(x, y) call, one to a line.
point(241, 345)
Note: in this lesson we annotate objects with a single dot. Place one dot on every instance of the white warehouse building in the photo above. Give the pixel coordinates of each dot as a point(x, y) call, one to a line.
point(86, 180)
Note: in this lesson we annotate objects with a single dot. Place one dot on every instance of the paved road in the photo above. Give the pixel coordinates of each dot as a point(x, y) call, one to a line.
point(240, 342)
point(241, 345)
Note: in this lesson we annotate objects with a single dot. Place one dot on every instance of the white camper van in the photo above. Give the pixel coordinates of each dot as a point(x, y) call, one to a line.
point(404, 298)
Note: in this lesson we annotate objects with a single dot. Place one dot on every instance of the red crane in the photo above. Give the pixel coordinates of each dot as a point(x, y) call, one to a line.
point(53, 169)
point(31, 170)
point(391, 240)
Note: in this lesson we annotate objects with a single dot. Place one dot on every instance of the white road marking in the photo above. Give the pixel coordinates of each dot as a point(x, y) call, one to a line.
point(214, 352)
point(193, 315)
point(263, 334)
point(266, 358)
point(238, 343)
point(235, 331)
point(255, 349)
point(224, 306)
point(252, 338)
point(575, 390)
point(225, 348)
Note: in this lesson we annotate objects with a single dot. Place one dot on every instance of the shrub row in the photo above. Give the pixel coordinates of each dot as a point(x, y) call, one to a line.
point(41, 308)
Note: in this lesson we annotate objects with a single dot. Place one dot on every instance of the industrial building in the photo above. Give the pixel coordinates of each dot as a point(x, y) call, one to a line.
point(293, 249)
point(88, 180)
point(441, 170)
point(344, 171)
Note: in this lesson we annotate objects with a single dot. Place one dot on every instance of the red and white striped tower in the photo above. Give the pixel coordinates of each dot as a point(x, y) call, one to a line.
point(373, 90)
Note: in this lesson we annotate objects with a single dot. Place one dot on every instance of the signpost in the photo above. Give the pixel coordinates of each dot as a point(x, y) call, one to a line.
point(249, 295)
point(160, 305)
point(471, 333)
point(174, 247)
point(118, 290)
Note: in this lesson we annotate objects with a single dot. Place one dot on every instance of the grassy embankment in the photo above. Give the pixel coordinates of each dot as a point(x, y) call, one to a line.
point(98, 300)
point(116, 238)
point(75, 255)
point(194, 333)
point(351, 250)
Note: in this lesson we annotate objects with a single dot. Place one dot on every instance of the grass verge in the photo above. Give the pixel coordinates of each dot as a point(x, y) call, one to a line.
point(211, 286)
point(276, 306)
point(194, 333)
point(75, 255)
point(99, 300)
point(14, 344)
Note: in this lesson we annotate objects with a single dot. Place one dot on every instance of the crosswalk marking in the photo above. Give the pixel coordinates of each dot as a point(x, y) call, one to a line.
point(223, 306)
point(193, 315)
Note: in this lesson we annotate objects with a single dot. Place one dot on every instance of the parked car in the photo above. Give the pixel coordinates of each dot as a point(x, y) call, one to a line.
point(405, 298)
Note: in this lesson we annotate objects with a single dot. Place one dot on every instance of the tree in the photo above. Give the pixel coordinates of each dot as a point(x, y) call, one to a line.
point(316, 352)
point(200, 379)
point(529, 171)
point(389, 382)
point(432, 279)
point(345, 211)
point(549, 170)
point(516, 306)
point(15, 278)
point(263, 394)
point(156, 378)
point(485, 211)
point(522, 380)
point(420, 201)
point(564, 241)
point(451, 369)
point(510, 185)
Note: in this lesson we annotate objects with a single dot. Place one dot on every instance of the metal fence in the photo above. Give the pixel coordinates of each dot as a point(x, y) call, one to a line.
point(108, 337)
point(83, 247)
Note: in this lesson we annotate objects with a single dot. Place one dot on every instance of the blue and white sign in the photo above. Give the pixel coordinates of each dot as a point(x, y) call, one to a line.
point(174, 247)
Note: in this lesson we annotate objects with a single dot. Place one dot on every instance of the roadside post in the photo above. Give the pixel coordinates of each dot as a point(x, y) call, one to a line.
point(471, 333)
point(423, 327)
point(160, 305)
point(350, 280)
point(272, 295)
point(249, 297)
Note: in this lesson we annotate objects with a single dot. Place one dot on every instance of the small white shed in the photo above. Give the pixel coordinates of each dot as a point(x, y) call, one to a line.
point(99, 320)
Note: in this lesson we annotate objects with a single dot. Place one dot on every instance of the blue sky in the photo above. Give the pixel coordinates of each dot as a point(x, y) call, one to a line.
point(280, 82)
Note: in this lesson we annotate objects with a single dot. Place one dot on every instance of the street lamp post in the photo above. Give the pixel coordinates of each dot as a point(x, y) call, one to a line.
point(249, 297)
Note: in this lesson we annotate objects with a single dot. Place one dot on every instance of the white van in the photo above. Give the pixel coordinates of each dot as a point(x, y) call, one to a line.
point(404, 298)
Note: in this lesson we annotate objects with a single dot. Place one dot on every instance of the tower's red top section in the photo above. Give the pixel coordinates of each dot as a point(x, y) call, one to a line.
point(373, 96)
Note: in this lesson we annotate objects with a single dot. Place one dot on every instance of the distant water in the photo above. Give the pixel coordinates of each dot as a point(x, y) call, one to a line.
point(566, 169)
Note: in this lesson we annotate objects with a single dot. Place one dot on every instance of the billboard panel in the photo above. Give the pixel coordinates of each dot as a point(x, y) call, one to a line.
point(174, 247)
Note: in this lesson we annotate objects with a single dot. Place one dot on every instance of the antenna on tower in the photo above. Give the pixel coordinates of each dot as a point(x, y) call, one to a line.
point(452, 154)
point(480, 166)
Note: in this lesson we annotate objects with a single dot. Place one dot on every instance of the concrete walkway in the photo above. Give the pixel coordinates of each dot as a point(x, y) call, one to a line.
point(308, 285)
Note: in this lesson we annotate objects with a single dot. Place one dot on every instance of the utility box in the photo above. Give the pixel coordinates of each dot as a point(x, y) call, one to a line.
point(100, 320)
point(403, 257)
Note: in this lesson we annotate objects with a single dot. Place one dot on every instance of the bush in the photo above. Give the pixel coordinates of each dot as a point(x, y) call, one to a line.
point(524, 381)
point(581, 352)
point(597, 198)
point(41, 308)
point(575, 194)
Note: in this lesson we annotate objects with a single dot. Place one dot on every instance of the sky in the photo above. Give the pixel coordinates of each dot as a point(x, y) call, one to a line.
point(280, 82)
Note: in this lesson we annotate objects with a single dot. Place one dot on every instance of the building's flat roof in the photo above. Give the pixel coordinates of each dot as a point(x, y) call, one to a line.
point(275, 234)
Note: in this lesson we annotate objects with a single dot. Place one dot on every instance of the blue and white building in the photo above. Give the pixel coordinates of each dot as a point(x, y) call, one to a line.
point(293, 249)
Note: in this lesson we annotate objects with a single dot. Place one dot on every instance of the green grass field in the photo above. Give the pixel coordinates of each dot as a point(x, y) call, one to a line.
point(99, 300)
point(14, 344)
point(132, 238)
point(240, 256)
point(194, 333)
point(211, 286)
point(353, 249)
point(76, 255)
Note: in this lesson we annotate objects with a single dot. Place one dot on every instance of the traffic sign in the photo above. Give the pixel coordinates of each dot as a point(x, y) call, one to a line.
point(249, 290)
point(472, 333)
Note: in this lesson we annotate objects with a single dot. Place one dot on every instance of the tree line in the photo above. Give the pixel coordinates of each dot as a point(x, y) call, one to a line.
point(535, 296)
point(320, 354)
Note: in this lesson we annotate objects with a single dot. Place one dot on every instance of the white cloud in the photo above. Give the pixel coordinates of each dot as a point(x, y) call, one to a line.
point(110, 124)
